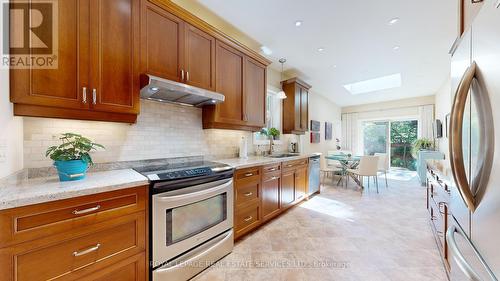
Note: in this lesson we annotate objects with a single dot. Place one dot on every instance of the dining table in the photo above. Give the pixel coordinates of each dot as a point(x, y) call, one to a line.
point(347, 161)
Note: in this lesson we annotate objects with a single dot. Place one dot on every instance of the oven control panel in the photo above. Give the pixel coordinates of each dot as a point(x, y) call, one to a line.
point(196, 172)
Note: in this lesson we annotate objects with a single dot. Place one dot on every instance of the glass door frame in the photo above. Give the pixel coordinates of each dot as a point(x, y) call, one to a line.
point(390, 120)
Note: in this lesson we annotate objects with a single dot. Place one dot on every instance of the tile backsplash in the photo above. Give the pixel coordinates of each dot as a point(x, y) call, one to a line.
point(162, 131)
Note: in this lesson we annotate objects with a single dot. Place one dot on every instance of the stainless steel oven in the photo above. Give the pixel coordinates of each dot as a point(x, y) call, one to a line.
point(191, 218)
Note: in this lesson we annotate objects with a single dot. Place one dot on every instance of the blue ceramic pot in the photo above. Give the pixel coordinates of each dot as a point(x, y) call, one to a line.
point(71, 170)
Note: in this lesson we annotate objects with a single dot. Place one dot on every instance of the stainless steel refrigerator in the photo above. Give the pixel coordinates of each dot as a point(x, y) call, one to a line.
point(473, 238)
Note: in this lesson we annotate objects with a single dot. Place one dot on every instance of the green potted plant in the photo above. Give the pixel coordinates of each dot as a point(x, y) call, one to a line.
point(421, 144)
point(72, 158)
point(272, 134)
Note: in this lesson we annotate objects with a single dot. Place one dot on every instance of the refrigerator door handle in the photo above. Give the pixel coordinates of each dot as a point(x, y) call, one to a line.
point(459, 257)
point(455, 141)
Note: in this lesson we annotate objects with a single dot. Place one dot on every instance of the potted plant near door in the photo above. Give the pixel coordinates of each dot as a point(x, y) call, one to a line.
point(72, 158)
point(421, 144)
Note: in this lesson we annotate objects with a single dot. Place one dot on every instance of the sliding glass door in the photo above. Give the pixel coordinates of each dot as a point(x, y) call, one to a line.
point(392, 137)
point(375, 137)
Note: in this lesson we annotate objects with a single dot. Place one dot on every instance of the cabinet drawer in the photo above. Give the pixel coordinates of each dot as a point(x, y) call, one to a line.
point(247, 193)
point(69, 257)
point(247, 219)
point(36, 221)
point(248, 175)
point(295, 164)
point(271, 176)
point(271, 168)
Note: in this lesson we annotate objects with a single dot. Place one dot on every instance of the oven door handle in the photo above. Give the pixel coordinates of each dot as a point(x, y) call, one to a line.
point(209, 188)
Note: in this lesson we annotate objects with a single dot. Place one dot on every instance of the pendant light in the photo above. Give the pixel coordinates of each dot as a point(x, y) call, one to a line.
point(281, 94)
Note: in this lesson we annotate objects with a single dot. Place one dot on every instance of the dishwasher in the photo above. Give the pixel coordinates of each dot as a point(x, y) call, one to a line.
point(314, 177)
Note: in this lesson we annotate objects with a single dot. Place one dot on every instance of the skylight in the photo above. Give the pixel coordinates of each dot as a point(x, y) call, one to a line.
point(376, 84)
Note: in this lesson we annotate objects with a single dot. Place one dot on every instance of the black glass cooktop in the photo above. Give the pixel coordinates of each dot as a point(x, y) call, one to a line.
point(166, 172)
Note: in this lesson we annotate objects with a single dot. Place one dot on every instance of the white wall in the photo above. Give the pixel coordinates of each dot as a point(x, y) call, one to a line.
point(11, 148)
point(323, 110)
point(443, 107)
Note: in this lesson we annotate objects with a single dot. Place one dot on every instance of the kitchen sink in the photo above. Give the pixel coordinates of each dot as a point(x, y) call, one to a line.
point(284, 155)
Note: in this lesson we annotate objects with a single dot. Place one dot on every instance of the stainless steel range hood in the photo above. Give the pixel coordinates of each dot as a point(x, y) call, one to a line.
point(163, 90)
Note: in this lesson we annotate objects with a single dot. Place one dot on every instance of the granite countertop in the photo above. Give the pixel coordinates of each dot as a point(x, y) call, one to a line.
point(251, 161)
point(25, 192)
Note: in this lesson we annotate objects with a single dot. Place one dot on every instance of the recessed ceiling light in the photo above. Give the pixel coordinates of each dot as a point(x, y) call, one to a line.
point(393, 21)
point(334, 66)
point(396, 48)
point(298, 23)
point(321, 49)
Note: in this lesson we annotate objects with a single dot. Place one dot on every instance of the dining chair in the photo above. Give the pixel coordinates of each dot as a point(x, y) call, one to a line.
point(328, 169)
point(368, 167)
point(383, 165)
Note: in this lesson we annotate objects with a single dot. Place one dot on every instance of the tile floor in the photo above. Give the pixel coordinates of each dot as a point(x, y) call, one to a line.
point(341, 234)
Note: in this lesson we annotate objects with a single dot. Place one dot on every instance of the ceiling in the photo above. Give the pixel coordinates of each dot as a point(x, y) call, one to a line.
point(358, 41)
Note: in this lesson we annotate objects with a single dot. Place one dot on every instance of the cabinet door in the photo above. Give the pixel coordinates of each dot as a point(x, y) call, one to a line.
point(255, 93)
point(62, 86)
point(287, 188)
point(300, 183)
point(200, 58)
point(114, 37)
point(298, 108)
point(271, 195)
point(304, 110)
point(162, 41)
point(229, 82)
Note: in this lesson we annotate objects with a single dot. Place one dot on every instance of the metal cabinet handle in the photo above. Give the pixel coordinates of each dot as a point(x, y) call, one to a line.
point(94, 96)
point(248, 218)
point(248, 194)
point(248, 174)
point(89, 210)
point(84, 95)
point(459, 257)
point(187, 75)
point(87, 251)
point(455, 140)
point(441, 204)
point(182, 74)
point(272, 169)
point(289, 165)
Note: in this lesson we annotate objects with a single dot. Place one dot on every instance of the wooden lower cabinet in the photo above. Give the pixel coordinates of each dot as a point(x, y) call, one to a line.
point(300, 183)
point(101, 241)
point(287, 188)
point(271, 192)
point(263, 193)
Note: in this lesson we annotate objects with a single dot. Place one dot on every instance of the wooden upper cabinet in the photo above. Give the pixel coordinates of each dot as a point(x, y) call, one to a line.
point(114, 33)
point(468, 11)
point(229, 82)
point(199, 62)
point(255, 93)
point(64, 85)
point(96, 76)
point(242, 81)
point(175, 50)
point(162, 40)
point(295, 106)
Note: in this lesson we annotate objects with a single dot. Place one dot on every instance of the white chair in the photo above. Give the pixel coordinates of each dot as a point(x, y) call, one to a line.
point(327, 169)
point(383, 165)
point(368, 167)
